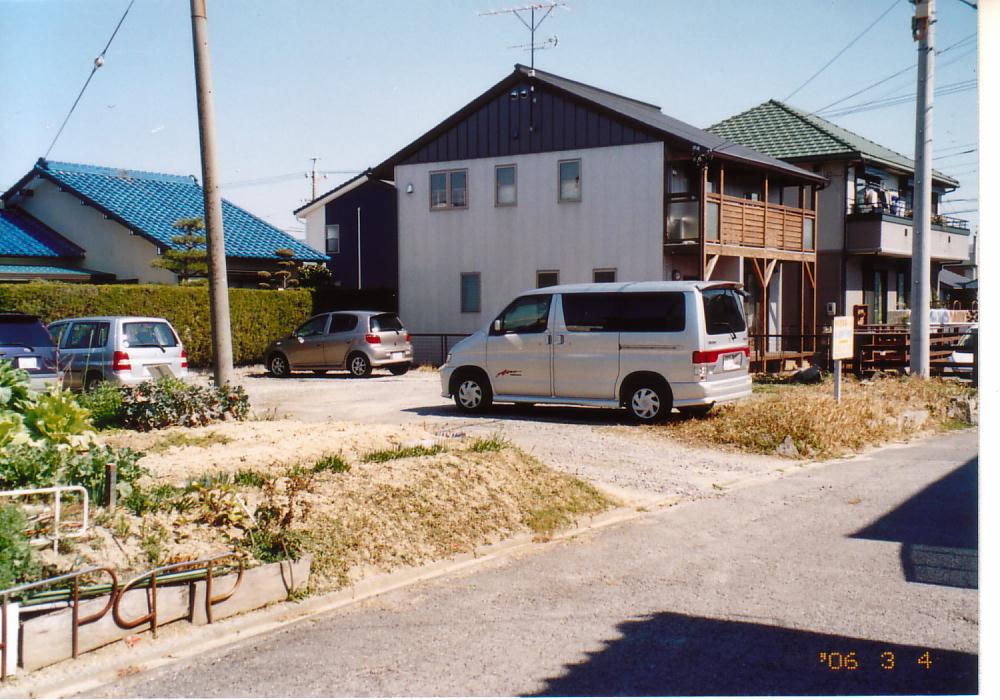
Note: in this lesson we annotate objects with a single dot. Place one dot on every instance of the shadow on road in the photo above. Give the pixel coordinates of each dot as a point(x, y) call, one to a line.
point(938, 528)
point(574, 415)
point(672, 654)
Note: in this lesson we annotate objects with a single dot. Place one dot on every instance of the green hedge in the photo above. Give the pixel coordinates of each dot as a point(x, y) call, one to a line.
point(258, 316)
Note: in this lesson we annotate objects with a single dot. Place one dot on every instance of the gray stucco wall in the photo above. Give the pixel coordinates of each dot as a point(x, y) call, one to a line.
point(618, 224)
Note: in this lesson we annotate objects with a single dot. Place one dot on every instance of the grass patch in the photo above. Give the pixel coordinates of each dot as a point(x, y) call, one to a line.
point(181, 439)
point(493, 443)
point(380, 456)
point(331, 463)
point(868, 415)
point(249, 477)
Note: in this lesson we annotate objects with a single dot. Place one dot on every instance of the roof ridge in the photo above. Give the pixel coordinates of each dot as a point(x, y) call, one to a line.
point(734, 117)
point(520, 67)
point(106, 171)
point(807, 118)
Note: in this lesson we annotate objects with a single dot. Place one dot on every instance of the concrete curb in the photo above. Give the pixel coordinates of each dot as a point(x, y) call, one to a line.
point(187, 642)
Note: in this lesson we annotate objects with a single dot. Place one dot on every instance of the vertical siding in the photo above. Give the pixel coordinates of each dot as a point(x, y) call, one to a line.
point(541, 123)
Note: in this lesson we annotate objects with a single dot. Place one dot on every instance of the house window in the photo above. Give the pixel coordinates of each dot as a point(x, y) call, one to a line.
point(569, 181)
point(547, 278)
point(449, 189)
point(607, 275)
point(471, 292)
point(506, 185)
point(333, 238)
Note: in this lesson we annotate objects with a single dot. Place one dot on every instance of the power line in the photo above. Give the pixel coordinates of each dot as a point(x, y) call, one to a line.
point(840, 53)
point(98, 62)
point(894, 75)
point(950, 89)
point(957, 153)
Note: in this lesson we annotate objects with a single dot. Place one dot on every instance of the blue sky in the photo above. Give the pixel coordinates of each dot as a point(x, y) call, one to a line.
point(352, 82)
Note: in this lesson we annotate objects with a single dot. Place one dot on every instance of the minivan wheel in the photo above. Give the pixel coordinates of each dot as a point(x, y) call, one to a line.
point(278, 366)
point(472, 395)
point(399, 370)
point(649, 401)
point(359, 365)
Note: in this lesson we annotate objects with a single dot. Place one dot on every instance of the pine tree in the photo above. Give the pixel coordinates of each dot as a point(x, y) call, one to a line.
point(286, 276)
point(190, 260)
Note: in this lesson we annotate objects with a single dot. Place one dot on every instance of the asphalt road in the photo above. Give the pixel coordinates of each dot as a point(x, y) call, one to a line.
point(854, 577)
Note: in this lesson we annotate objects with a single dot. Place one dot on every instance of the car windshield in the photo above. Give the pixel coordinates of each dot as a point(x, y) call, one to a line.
point(149, 334)
point(24, 332)
point(723, 311)
point(385, 322)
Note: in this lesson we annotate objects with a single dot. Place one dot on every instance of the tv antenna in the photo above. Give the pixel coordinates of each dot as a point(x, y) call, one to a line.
point(534, 21)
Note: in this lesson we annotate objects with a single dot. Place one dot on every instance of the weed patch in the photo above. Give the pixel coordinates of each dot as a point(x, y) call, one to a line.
point(380, 456)
point(331, 463)
point(179, 439)
point(870, 413)
point(493, 443)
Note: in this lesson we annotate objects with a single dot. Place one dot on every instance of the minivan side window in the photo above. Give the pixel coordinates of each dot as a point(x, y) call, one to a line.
point(86, 334)
point(654, 312)
point(723, 311)
point(528, 314)
point(591, 313)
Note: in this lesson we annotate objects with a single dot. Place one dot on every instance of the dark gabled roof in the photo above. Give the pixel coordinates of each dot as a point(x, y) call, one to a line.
point(23, 236)
point(791, 134)
point(335, 190)
point(643, 115)
point(149, 204)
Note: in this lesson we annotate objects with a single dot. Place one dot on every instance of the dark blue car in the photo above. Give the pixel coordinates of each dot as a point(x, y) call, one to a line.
point(26, 344)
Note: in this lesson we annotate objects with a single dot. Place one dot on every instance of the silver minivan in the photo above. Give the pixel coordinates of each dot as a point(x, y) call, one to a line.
point(646, 346)
point(118, 349)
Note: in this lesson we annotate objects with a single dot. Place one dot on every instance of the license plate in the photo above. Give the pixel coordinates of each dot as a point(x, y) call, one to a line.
point(733, 361)
point(27, 362)
point(397, 355)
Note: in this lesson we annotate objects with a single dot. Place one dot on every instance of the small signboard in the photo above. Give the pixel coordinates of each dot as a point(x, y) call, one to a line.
point(842, 345)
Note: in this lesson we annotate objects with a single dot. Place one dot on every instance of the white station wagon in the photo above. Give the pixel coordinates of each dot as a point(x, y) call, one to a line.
point(644, 346)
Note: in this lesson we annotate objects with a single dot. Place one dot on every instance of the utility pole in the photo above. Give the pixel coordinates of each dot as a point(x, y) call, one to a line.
point(218, 289)
point(920, 273)
point(313, 176)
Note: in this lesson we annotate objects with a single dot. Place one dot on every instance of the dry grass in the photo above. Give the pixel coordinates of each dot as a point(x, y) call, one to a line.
point(409, 505)
point(868, 415)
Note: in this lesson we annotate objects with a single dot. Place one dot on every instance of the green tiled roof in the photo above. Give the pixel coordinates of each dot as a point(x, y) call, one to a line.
point(784, 132)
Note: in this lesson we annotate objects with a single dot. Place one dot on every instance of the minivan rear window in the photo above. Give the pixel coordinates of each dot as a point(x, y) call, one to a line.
point(386, 322)
point(149, 334)
point(25, 332)
point(647, 312)
point(723, 311)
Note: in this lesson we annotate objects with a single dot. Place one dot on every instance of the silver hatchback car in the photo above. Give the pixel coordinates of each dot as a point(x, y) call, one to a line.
point(118, 349)
point(353, 340)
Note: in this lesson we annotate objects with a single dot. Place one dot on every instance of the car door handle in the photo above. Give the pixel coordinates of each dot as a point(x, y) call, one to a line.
point(561, 339)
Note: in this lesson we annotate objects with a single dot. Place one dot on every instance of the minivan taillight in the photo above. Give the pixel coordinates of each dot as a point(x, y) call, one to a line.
point(710, 357)
point(372, 339)
point(184, 359)
point(121, 362)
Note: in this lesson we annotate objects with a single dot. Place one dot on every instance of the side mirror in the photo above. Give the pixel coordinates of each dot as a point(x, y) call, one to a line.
point(300, 338)
point(497, 326)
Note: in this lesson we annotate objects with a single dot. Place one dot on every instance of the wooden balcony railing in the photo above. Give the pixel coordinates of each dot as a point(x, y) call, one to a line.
point(749, 223)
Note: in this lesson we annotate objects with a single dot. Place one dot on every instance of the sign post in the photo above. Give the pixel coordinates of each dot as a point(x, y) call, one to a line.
point(841, 348)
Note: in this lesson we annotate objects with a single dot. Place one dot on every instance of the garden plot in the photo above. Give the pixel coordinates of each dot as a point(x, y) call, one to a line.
point(357, 498)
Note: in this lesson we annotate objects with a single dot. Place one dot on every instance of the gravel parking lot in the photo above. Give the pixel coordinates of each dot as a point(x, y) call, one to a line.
point(594, 444)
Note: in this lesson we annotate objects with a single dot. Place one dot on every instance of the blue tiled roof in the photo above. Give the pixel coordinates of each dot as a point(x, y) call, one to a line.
point(44, 270)
point(150, 203)
point(24, 236)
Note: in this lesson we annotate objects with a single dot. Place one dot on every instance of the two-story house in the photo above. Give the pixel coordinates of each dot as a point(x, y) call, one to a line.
point(866, 213)
point(543, 180)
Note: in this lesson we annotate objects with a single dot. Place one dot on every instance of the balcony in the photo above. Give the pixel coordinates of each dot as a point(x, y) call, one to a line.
point(732, 222)
point(875, 230)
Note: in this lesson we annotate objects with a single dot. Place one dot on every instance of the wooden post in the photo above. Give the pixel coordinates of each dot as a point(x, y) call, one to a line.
point(703, 189)
point(765, 210)
point(110, 486)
